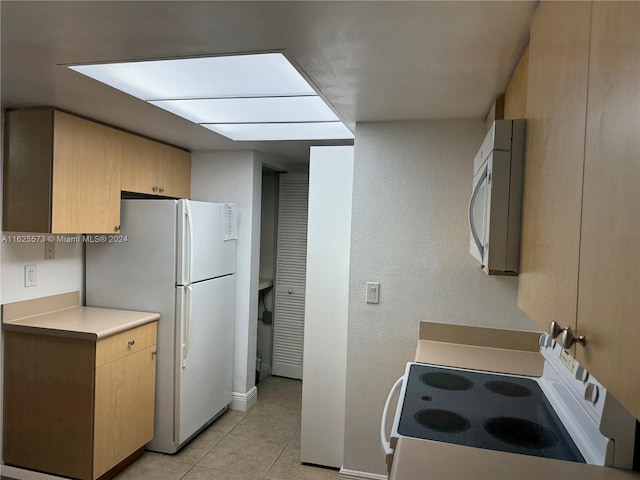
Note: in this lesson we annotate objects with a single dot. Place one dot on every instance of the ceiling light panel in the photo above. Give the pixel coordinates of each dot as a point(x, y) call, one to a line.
point(252, 97)
point(254, 75)
point(251, 110)
point(282, 131)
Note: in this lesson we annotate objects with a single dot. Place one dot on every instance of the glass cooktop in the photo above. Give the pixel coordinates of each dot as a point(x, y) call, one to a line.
point(484, 410)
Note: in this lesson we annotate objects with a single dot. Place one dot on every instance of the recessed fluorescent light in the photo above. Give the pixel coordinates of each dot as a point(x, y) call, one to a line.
point(257, 75)
point(251, 110)
point(282, 131)
point(243, 97)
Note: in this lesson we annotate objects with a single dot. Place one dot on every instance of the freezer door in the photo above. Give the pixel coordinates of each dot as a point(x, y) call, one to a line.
point(202, 251)
point(205, 365)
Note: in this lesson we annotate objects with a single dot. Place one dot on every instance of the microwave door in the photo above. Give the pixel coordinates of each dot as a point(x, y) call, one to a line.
point(478, 214)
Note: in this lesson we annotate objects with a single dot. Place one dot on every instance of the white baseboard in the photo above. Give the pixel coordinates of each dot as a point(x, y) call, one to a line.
point(21, 474)
point(345, 474)
point(244, 401)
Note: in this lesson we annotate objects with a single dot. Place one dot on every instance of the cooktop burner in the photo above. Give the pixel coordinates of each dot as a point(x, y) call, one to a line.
point(443, 421)
point(510, 389)
point(521, 432)
point(483, 410)
point(446, 381)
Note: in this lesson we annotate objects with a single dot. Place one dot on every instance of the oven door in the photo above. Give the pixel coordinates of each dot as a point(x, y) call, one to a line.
point(479, 212)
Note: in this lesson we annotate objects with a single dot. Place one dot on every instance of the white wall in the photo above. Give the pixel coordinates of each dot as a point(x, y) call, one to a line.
point(65, 273)
point(236, 177)
point(412, 182)
point(326, 305)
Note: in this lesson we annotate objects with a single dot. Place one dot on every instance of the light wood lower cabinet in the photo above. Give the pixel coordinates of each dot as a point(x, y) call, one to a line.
point(77, 408)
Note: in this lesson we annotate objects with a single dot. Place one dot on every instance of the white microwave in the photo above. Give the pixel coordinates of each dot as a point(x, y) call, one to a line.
point(495, 206)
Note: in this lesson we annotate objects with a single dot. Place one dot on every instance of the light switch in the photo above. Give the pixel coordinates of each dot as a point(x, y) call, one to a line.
point(373, 292)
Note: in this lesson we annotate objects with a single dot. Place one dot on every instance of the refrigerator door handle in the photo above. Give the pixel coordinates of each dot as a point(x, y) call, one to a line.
point(187, 212)
point(187, 335)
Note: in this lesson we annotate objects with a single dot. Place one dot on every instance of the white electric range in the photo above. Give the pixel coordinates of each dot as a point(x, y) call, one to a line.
point(565, 414)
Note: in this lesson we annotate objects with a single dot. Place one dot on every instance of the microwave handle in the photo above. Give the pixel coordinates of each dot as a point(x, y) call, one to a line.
point(472, 201)
point(386, 444)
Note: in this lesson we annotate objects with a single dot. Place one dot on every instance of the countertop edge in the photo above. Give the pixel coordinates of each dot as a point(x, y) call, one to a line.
point(145, 317)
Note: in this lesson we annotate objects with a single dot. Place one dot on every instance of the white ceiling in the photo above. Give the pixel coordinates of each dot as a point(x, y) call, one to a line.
point(373, 61)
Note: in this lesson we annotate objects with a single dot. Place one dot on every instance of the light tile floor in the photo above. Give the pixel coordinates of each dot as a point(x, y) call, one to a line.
point(261, 443)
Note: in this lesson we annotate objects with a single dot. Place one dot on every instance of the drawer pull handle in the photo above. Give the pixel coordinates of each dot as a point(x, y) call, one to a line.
point(154, 353)
point(132, 343)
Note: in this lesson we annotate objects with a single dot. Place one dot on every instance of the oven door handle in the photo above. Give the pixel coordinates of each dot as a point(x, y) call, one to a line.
point(386, 444)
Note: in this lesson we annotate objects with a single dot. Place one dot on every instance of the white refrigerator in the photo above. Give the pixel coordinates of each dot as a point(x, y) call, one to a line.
point(177, 258)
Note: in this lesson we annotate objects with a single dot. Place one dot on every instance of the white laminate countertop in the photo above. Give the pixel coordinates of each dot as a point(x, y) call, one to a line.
point(72, 321)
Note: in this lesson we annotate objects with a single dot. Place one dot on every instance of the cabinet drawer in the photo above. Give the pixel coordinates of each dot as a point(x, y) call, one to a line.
point(125, 343)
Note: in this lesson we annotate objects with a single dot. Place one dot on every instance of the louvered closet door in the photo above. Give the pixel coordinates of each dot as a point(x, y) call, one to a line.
point(291, 264)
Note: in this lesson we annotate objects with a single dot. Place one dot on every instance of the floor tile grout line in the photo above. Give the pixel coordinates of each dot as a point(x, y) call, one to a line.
point(187, 472)
point(277, 458)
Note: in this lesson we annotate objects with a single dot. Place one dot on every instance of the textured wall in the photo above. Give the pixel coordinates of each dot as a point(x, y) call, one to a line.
point(412, 182)
point(236, 177)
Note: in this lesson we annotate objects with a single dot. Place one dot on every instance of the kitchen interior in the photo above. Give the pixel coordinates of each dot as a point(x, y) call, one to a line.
point(465, 234)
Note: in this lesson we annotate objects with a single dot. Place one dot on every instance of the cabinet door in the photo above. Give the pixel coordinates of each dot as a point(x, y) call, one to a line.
point(138, 164)
point(552, 192)
point(125, 392)
point(153, 168)
point(174, 172)
point(48, 403)
point(608, 299)
point(86, 176)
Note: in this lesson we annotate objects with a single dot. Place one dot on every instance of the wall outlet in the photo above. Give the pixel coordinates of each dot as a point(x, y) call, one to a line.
point(30, 276)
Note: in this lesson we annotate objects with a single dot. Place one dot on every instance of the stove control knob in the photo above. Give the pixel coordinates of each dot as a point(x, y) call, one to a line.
point(591, 393)
point(546, 341)
point(582, 374)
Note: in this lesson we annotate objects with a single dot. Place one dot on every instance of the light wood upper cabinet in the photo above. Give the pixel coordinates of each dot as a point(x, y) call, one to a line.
point(65, 174)
point(580, 253)
point(61, 174)
point(174, 172)
point(609, 287)
point(153, 168)
point(552, 191)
